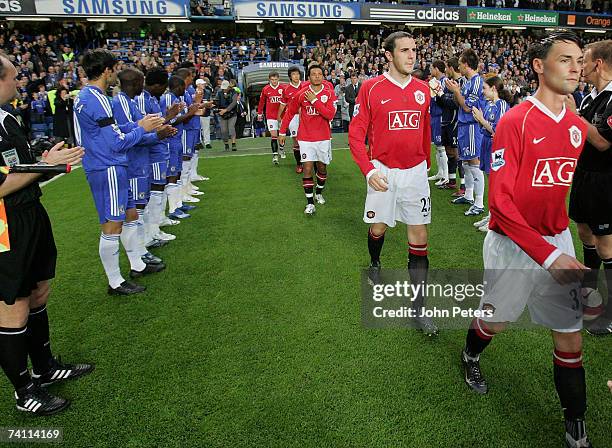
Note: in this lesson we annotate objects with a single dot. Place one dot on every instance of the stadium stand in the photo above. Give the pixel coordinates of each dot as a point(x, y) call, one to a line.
point(47, 62)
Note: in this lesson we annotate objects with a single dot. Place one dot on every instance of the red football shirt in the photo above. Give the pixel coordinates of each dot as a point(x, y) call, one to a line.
point(395, 119)
point(534, 156)
point(271, 99)
point(289, 91)
point(314, 117)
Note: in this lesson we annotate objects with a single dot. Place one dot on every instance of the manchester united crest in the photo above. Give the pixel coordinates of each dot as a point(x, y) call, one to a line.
point(419, 97)
point(575, 136)
point(324, 99)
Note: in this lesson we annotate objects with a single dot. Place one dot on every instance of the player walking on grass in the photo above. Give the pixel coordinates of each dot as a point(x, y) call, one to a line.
point(270, 98)
point(316, 106)
point(289, 91)
point(27, 268)
point(535, 151)
point(392, 111)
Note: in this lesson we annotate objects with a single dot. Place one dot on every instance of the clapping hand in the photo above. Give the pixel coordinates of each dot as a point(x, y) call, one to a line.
point(59, 156)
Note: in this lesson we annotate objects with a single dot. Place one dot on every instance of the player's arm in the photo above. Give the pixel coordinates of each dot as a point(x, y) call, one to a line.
point(110, 136)
point(358, 130)
point(326, 110)
point(500, 113)
point(601, 136)
point(427, 136)
point(473, 95)
point(122, 114)
point(262, 102)
point(446, 101)
point(292, 109)
point(503, 209)
point(281, 109)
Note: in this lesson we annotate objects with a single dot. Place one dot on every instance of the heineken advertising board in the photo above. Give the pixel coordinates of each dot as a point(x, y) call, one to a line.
point(512, 17)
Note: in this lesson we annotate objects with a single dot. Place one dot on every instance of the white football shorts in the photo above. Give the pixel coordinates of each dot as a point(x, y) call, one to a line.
point(407, 199)
point(515, 281)
point(272, 125)
point(294, 124)
point(316, 151)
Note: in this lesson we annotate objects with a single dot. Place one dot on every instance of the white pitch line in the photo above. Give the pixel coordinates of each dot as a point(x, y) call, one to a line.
point(42, 184)
point(220, 156)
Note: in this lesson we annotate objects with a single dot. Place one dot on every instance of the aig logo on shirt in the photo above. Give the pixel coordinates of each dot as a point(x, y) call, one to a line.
point(554, 171)
point(275, 99)
point(404, 119)
point(311, 110)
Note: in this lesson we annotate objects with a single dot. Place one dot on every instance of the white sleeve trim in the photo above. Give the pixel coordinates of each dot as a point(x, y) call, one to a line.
point(551, 258)
point(370, 173)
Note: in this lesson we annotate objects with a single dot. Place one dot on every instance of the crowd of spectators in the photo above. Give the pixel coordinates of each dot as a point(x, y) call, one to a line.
point(49, 76)
point(211, 7)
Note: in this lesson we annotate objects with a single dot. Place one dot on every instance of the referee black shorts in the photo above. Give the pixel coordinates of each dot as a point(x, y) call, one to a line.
point(33, 254)
point(591, 200)
point(449, 135)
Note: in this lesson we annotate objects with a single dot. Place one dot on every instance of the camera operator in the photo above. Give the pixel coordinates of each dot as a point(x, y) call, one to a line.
point(227, 103)
point(27, 267)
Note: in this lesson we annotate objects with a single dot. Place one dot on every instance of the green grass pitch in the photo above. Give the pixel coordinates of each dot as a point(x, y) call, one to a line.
point(252, 336)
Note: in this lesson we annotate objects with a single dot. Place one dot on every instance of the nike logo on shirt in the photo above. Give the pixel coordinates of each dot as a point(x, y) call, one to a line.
point(538, 140)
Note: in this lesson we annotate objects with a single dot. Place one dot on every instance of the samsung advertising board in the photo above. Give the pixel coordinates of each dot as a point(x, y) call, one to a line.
point(305, 10)
point(113, 8)
point(404, 13)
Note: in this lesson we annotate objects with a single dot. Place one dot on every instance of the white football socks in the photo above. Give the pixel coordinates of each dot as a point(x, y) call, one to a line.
point(443, 162)
point(129, 240)
point(155, 211)
point(469, 182)
point(479, 185)
point(143, 235)
point(172, 193)
point(109, 254)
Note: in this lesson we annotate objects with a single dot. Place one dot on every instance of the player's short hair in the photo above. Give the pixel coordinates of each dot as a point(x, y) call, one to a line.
point(389, 42)
point(311, 67)
point(470, 58)
point(498, 83)
point(129, 75)
point(453, 63)
point(293, 69)
point(540, 49)
point(440, 65)
point(273, 75)
point(175, 81)
point(601, 50)
point(187, 64)
point(418, 74)
point(156, 76)
point(183, 73)
point(95, 62)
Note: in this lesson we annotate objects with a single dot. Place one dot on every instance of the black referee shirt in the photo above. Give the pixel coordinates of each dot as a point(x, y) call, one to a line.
point(597, 110)
point(15, 149)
